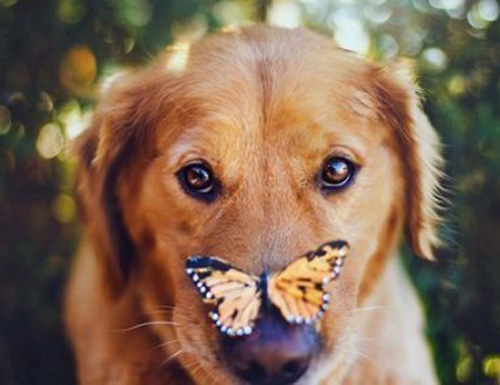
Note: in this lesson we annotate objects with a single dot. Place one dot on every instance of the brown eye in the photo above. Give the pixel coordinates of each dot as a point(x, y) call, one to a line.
point(198, 181)
point(337, 173)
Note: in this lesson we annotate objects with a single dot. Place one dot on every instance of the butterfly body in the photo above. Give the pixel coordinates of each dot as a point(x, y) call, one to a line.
point(298, 291)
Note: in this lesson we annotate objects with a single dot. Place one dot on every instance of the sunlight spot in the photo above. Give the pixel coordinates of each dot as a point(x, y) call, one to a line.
point(378, 14)
point(435, 59)
point(137, 13)
point(191, 30)
point(73, 119)
point(457, 85)
point(284, 14)
point(230, 13)
point(389, 46)
point(464, 369)
point(78, 69)
point(488, 10)
point(482, 13)
point(447, 4)
point(350, 32)
point(491, 366)
point(314, 10)
point(109, 77)
point(71, 11)
point(8, 3)
point(411, 42)
point(5, 121)
point(50, 141)
point(45, 102)
point(178, 57)
point(64, 208)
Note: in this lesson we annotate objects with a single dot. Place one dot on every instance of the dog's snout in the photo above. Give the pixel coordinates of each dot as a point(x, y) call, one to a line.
point(276, 352)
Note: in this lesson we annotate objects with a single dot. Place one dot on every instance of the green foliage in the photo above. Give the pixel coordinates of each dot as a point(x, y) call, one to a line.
point(52, 54)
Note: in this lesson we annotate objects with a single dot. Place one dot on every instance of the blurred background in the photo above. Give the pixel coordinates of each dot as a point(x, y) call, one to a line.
point(53, 55)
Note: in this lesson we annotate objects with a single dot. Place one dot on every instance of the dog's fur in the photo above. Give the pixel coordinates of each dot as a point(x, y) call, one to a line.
point(264, 107)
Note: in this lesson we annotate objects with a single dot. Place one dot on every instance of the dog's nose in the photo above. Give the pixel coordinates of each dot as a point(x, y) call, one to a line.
point(276, 353)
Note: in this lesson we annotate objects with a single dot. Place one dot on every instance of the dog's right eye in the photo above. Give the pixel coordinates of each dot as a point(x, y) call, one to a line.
point(198, 181)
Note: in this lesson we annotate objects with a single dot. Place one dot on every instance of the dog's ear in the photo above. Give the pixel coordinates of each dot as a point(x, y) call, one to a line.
point(120, 137)
point(399, 106)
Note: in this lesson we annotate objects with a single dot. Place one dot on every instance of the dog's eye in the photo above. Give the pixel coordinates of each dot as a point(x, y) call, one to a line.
point(337, 173)
point(197, 180)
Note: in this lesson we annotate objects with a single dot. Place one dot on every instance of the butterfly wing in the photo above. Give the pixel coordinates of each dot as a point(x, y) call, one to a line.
point(235, 295)
point(298, 290)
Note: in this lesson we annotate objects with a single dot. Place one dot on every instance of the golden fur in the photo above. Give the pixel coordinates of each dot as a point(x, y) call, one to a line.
point(265, 107)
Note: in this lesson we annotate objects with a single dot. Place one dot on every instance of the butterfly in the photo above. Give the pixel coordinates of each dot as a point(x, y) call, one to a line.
point(298, 290)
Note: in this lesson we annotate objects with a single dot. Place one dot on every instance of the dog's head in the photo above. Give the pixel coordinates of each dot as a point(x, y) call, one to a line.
point(264, 145)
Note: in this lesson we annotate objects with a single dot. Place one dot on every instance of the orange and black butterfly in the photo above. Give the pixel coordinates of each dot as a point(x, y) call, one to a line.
point(298, 290)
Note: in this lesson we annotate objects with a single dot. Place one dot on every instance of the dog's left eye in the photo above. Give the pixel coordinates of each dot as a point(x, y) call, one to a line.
point(198, 181)
point(337, 173)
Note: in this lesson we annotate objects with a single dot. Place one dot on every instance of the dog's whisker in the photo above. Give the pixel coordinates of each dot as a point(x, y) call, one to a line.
point(372, 341)
point(198, 371)
point(193, 367)
point(356, 339)
point(367, 357)
point(149, 323)
point(172, 356)
point(208, 375)
point(164, 344)
point(369, 339)
point(358, 353)
point(171, 309)
point(350, 345)
point(171, 313)
point(195, 363)
point(371, 309)
point(167, 307)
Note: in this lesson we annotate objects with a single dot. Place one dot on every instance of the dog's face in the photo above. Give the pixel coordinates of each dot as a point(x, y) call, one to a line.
point(267, 144)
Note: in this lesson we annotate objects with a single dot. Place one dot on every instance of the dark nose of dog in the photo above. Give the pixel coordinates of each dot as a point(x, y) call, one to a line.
point(276, 353)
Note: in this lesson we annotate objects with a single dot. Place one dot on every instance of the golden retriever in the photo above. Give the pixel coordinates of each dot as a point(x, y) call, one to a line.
point(266, 143)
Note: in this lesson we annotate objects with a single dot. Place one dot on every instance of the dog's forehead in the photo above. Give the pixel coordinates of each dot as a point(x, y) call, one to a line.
point(275, 99)
point(294, 129)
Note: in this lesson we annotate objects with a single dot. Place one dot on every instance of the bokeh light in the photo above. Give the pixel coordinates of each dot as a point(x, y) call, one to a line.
point(231, 13)
point(64, 208)
point(491, 367)
point(457, 85)
point(73, 119)
point(435, 59)
point(5, 122)
point(177, 57)
point(350, 32)
point(488, 10)
point(284, 13)
point(78, 69)
point(71, 11)
point(190, 31)
point(8, 3)
point(50, 141)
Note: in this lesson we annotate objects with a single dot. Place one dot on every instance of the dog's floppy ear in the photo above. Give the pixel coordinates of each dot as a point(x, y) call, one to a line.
point(399, 106)
point(120, 136)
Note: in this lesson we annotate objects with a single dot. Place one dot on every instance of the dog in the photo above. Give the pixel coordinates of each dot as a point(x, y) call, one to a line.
point(263, 144)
